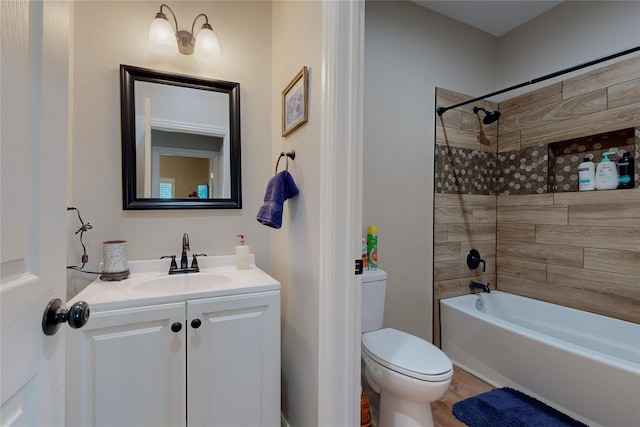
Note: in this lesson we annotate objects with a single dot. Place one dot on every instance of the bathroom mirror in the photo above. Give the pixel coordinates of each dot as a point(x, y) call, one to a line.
point(180, 141)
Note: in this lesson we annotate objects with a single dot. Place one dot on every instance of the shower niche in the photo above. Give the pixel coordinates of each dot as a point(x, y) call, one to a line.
point(554, 168)
point(565, 156)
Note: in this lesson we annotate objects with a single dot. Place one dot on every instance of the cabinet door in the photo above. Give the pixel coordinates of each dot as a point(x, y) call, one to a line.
point(233, 369)
point(126, 368)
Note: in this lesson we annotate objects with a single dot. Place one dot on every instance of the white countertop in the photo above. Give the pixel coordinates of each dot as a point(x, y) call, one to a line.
point(149, 283)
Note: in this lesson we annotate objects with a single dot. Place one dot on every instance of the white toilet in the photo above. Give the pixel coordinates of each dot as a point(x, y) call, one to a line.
point(406, 371)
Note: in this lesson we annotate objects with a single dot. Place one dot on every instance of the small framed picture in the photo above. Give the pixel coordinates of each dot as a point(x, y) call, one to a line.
point(295, 103)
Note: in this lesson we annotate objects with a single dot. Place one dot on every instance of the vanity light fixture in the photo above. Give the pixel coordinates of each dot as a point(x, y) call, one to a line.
point(163, 40)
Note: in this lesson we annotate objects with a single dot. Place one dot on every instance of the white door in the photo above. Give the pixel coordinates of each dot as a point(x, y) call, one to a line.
point(34, 94)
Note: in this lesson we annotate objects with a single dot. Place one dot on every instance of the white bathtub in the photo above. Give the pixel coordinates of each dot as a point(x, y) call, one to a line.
point(583, 364)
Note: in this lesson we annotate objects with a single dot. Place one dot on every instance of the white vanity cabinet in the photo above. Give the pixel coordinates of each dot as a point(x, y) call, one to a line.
point(212, 361)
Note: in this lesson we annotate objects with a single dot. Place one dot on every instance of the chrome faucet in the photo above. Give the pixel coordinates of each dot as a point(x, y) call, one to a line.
point(475, 285)
point(184, 262)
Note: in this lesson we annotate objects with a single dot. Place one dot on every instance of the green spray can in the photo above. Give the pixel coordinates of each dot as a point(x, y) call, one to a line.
point(372, 247)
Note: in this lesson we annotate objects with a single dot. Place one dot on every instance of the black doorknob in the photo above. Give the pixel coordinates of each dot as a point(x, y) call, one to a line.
point(176, 327)
point(195, 323)
point(54, 314)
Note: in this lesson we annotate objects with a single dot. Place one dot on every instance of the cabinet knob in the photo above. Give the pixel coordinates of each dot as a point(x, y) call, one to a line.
point(176, 327)
point(195, 323)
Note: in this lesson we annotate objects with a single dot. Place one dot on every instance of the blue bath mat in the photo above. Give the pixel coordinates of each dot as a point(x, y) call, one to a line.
point(509, 407)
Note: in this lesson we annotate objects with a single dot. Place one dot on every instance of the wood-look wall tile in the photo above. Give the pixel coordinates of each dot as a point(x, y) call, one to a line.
point(623, 94)
point(526, 200)
point(581, 299)
point(462, 139)
point(455, 287)
point(597, 197)
point(626, 262)
point(464, 232)
point(558, 254)
point(622, 215)
point(516, 233)
point(590, 236)
point(536, 99)
point(568, 109)
point(622, 285)
point(440, 233)
point(451, 120)
point(446, 252)
point(452, 215)
point(466, 200)
point(609, 75)
point(533, 214)
point(522, 269)
point(583, 126)
point(447, 270)
point(484, 215)
point(508, 141)
point(446, 97)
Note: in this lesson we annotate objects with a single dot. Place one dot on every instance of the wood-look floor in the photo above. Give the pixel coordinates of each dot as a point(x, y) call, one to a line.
point(463, 385)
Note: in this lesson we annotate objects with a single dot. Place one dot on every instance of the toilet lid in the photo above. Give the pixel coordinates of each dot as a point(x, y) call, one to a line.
point(407, 354)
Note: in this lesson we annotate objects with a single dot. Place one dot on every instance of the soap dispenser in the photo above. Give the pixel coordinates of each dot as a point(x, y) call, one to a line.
point(606, 173)
point(243, 260)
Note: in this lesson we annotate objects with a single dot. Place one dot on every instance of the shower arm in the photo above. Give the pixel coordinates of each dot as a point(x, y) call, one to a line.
point(442, 110)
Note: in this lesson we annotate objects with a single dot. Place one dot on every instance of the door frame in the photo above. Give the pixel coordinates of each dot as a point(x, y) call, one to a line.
point(341, 214)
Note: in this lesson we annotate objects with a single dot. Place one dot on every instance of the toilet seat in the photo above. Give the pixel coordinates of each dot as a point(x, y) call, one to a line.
point(407, 354)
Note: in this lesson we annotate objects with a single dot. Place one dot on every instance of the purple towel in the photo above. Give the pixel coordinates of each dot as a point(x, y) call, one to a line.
point(279, 188)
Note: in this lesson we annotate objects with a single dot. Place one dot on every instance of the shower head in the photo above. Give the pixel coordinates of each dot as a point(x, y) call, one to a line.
point(489, 116)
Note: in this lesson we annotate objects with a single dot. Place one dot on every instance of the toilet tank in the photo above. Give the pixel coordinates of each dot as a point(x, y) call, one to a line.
point(374, 285)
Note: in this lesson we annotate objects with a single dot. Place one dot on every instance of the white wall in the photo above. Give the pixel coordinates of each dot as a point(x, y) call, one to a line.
point(297, 41)
point(409, 51)
point(109, 33)
point(572, 33)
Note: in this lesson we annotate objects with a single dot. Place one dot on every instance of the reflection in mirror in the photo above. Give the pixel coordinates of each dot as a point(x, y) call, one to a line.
point(181, 141)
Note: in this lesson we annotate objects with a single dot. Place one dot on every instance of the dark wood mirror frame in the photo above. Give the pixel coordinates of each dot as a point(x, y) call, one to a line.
point(130, 201)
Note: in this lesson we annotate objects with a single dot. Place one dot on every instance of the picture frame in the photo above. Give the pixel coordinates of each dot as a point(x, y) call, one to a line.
point(295, 103)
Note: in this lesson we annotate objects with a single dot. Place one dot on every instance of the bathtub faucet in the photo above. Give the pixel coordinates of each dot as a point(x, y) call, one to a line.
point(475, 285)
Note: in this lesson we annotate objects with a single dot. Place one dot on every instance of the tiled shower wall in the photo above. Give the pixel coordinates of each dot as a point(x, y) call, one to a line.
point(465, 199)
point(579, 249)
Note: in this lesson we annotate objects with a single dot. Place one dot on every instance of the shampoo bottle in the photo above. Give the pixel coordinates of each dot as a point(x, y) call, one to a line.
point(243, 260)
point(626, 171)
point(372, 246)
point(606, 173)
point(586, 175)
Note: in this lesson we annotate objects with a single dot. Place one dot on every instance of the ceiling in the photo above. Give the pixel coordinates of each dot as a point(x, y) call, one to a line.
point(494, 17)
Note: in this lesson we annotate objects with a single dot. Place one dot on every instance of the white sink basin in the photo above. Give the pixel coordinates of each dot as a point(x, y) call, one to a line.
point(188, 283)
